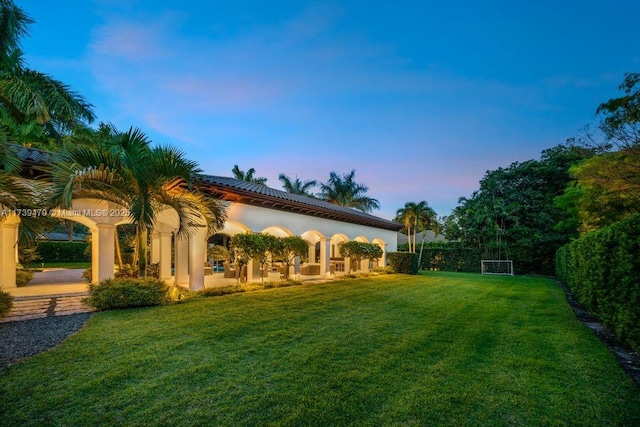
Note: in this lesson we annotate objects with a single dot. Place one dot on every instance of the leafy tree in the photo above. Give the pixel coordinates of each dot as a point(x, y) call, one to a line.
point(357, 251)
point(248, 175)
point(122, 167)
point(288, 248)
point(344, 191)
point(296, 186)
point(513, 214)
point(607, 186)
point(28, 96)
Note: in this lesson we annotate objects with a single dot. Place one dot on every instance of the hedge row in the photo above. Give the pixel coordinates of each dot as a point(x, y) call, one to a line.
point(602, 269)
point(64, 251)
point(449, 256)
point(403, 262)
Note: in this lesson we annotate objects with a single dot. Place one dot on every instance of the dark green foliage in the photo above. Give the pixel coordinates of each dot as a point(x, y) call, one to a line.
point(129, 292)
point(88, 274)
point(602, 269)
point(513, 216)
point(23, 277)
point(216, 292)
point(403, 262)
point(450, 256)
point(63, 252)
point(6, 302)
point(357, 251)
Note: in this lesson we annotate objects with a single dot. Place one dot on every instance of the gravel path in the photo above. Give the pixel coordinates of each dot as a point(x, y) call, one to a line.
point(29, 337)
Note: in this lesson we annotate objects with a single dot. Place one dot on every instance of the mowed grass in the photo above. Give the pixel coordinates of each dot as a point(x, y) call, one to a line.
point(433, 349)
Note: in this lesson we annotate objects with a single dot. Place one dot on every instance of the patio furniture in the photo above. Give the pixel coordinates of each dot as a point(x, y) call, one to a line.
point(208, 270)
point(229, 273)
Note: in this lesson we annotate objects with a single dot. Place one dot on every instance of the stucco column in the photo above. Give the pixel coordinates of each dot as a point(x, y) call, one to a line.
point(325, 248)
point(312, 254)
point(8, 241)
point(165, 255)
point(102, 252)
point(382, 262)
point(347, 265)
point(197, 253)
point(251, 266)
point(182, 261)
point(155, 247)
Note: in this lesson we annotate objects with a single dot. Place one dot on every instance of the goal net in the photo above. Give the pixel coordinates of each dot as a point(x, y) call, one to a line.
point(492, 266)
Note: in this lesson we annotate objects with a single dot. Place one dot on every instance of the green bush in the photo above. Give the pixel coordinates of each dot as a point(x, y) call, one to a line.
point(88, 275)
point(6, 302)
point(450, 256)
point(63, 251)
point(216, 292)
point(384, 270)
point(23, 277)
point(127, 292)
point(403, 262)
point(602, 269)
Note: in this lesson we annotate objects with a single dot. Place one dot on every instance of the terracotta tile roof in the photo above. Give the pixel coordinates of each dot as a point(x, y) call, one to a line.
point(232, 189)
point(235, 190)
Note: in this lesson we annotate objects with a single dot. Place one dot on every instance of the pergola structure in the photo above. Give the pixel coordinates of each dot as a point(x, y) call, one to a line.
point(251, 208)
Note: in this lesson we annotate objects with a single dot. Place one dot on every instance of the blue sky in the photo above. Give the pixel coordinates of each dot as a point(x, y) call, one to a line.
point(420, 98)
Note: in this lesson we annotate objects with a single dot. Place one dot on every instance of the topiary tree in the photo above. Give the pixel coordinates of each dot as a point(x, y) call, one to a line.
point(288, 248)
point(357, 251)
point(247, 246)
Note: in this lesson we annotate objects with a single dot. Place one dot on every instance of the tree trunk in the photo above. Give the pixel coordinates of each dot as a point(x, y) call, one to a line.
point(142, 251)
point(118, 250)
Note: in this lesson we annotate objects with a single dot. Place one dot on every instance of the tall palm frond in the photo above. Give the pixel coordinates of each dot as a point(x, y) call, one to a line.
point(344, 191)
point(297, 186)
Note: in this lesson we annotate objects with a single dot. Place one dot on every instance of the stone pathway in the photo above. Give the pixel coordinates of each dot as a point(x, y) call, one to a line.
point(39, 307)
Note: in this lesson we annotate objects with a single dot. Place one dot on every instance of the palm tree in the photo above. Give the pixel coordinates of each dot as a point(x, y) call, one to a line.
point(31, 96)
point(18, 193)
point(296, 186)
point(344, 191)
point(248, 175)
point(122, 168)
point(415, 216)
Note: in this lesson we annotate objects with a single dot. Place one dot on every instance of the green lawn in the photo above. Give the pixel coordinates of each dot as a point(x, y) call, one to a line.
point(434, 349)
point(38, 266)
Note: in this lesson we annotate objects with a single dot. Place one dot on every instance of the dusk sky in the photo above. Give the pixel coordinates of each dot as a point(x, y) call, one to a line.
point(420, 98)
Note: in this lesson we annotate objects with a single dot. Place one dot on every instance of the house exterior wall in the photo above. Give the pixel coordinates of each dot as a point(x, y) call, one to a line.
point(259, 219)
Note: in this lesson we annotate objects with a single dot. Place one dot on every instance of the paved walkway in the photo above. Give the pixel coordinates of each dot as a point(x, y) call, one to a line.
point(25, 308)
point(53, 292)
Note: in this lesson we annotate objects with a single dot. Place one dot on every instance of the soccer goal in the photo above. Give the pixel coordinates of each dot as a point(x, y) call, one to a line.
point(494, 266)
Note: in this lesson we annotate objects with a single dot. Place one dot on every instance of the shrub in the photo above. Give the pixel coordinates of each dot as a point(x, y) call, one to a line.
point(403, 262)
point(384, 270)
point(63, 251)
point(23, 277)
point(127, 292)
point(6, 302)
point(216, 292)
point(602, 270)
point(88, 275)
point(127, 271)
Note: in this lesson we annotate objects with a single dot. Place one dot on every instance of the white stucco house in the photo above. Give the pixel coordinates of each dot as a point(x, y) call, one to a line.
point(251, 208)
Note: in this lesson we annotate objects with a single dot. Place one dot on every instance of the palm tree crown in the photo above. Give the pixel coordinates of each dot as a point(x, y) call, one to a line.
point(344, 191)
point(31, 96)
point(248, 175)
point(296, 186)
point(121, 167)
point(415, 217)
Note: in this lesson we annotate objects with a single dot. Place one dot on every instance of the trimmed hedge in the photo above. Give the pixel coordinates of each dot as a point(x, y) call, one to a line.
point(128, 292)
point(64, 251)
point(403, 262)
point(602, 269)
point(450, 256)
point(6, 303)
